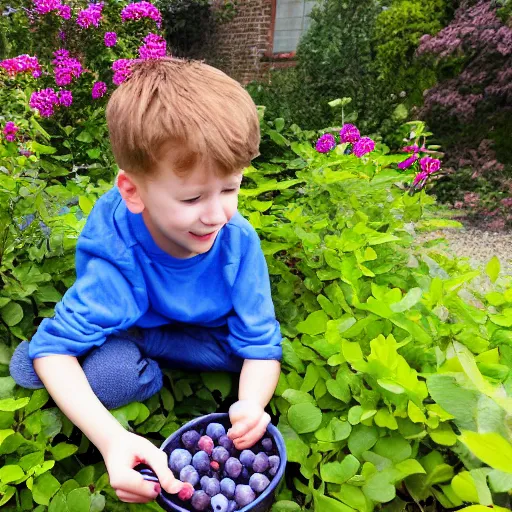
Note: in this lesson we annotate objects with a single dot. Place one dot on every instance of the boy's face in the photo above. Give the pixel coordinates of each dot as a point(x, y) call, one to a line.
point(185, 214)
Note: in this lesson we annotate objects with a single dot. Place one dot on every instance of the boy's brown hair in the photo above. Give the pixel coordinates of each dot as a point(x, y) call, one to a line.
point(187, 108)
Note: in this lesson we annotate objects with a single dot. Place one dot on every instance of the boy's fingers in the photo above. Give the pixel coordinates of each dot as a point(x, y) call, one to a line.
point(254, 435)
point(130, 497)
point(157, 460)
point(131, 481)
point(239, 429)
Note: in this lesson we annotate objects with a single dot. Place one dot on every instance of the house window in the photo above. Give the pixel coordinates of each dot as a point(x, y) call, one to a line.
point(291, 20)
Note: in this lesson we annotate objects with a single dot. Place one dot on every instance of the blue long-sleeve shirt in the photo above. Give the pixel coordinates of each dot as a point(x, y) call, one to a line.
point(124, 279)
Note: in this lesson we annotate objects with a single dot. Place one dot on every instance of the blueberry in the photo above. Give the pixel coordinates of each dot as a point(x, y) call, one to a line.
point(244, 495)
point(204, 480)
point(205, 443)
point(219, 503)
point(212, 487)
point(244, 475)
point(258, 482)
point(273, 462)
point(226, 443)
point(200, 500)
point(233, 467)
point(201, 461)
point(215, 430)
point(220, 454)
point(267, 444)
point(232, 506)
point(179, 459)
point(190, 439)
point(227, 487)
point(189, 474)
point(260, 464)
point(247, 458)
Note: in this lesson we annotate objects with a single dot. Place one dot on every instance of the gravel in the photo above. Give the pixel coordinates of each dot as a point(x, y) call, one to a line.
point(477, 245)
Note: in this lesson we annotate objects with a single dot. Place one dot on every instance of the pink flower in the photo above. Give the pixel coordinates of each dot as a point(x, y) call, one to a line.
point(430, 165)
point(411, 149)
point(90, 16)
point(153, 48)
point(363, 146)
point(45, 6)
point(110, 39)
point(420, 179)
point(99, 89)
point(66, 68)
point(10, 130)
point(21, 64)
point(65, 98)
point(122, 70)
point(44, 101)
point(325, 143)
point(138, 10)
point(349, 133)
point(405, 164)
point(65, 11)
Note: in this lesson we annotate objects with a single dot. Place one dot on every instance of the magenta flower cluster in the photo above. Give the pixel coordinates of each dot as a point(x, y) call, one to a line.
point(90, 16)
point(325, 143)
point(21, 64)
point(349, 134)
point(10, 130)
point(45, 100)
point(43, 7)
point(122, 70)
point(428, 165)
point(110, 39)
point(98, 90)
point(154, 47)
point(138, 10)
point(66, 67)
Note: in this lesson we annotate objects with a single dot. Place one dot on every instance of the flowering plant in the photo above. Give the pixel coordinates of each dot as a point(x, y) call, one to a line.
point(349, 134)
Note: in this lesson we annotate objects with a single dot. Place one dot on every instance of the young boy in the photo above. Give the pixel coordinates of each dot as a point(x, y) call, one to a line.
point(168, 273)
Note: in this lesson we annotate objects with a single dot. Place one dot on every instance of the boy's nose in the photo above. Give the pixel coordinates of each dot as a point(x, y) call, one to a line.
point(214, 214)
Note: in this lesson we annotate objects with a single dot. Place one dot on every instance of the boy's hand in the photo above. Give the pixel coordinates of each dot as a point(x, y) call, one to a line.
point(249, 422)
point(123, 454)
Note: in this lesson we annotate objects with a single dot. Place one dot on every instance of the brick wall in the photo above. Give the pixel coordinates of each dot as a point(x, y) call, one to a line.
point(239, 46)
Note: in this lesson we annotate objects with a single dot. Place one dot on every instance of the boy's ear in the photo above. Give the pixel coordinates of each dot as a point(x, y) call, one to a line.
point(130, 192)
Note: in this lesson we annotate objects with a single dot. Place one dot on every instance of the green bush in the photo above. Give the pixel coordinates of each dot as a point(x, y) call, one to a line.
point(396, 378)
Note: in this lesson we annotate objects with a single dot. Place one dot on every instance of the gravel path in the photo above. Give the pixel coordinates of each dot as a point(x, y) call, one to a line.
point(479, 246)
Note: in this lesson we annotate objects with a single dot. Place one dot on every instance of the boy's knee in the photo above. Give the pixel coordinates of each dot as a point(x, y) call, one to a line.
point(22, 370)
point(119, 374)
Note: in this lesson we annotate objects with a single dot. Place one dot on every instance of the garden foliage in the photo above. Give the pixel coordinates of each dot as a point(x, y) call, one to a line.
point(397, 371)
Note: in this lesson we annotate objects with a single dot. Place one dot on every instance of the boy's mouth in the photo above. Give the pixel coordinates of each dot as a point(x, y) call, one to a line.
point(204, 237)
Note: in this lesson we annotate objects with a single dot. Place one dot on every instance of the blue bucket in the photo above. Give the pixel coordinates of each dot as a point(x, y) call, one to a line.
point(262, 503)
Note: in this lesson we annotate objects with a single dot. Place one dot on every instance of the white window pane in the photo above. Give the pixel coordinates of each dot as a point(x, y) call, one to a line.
point(286, 41)
point(289, 24)
point(289, 9)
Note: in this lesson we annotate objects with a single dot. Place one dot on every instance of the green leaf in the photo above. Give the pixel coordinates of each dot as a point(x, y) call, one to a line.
point(84, 136)
point(314, 324)
point(44, 488)
point(79, 500)
point(296, 449)
point(12, 314)
point(63, 450)
point(489, 447)
point(378, 488)
point(40, 148)
point(285, 506)
point(11, 473)
point(493, 268)
point(325, 504)
point(340, 472)
point(85, 204)
point(218, 381)
point(11, 404)
point(336, 430)
point(304, 418)
point(298, 397)
point(362, 439)
point(8, 493)
point(412, 297)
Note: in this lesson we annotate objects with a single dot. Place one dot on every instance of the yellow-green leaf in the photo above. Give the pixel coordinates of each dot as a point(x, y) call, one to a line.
point(489, 447)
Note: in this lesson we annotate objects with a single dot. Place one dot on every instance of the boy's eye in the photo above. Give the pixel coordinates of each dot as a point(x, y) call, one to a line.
point(193, 200)
point(230, 190)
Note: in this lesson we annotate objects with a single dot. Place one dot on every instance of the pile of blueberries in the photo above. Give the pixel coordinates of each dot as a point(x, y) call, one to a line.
point(217, 476)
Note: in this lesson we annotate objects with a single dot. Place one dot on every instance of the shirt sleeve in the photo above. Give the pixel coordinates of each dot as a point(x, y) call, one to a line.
point(253, 329)
point(101, 301)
